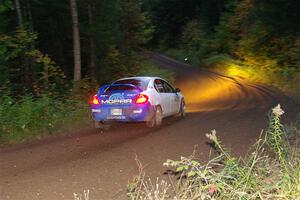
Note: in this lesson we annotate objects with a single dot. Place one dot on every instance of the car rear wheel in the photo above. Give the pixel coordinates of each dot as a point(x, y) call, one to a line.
point(101, 125)
point(156, 120)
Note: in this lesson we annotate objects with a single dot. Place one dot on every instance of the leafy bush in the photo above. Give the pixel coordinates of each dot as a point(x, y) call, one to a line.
point(255, 176)
point(25, 68)
point(30, 117)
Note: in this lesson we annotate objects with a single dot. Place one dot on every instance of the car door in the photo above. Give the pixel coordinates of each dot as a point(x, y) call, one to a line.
point(173, 98)
point(164, 97)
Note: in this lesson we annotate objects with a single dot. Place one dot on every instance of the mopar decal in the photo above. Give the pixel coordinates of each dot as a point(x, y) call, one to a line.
point(116, 101)
point(117, 98)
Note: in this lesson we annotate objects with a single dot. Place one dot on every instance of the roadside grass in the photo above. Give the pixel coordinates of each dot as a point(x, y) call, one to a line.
point(271, 170)
point(31, 118)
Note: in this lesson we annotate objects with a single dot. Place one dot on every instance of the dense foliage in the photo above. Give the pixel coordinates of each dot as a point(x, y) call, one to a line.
point(264, 34)
point(111, 33)
point(38, 95)
point(258, 39)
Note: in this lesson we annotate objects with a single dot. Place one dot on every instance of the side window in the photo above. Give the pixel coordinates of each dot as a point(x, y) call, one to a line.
point(168, 88)
point(158, 84)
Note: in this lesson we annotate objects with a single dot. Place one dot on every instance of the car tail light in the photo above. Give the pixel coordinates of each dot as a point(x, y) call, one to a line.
point(141, 99)
point(95, 100)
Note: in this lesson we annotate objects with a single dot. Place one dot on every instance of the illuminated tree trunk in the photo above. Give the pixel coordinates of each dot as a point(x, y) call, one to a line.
point(76, 41)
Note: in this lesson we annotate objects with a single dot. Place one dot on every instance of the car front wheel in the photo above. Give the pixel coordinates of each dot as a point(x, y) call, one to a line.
point(182, 111)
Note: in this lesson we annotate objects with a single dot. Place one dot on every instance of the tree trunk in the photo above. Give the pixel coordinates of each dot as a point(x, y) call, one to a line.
point(76, 41)
point(92, 61)
point(29, 15)
point(19, 13)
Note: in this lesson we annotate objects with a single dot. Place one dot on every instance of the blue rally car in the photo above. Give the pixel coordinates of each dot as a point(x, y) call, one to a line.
point(137, 99)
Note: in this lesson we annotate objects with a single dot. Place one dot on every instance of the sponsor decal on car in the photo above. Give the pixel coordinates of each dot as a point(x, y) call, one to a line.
point(116, 101)
point(117, 98)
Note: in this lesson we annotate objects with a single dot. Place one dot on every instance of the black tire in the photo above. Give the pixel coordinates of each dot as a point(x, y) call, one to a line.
point(156, 120)
point(159, 116)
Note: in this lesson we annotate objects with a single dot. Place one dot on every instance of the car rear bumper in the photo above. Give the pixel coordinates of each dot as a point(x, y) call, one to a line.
point(131, 113)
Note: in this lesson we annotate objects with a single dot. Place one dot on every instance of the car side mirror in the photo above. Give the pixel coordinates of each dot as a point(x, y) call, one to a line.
point(177, 90)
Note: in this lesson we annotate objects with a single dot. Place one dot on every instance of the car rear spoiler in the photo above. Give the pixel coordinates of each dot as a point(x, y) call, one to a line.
point(104, 87)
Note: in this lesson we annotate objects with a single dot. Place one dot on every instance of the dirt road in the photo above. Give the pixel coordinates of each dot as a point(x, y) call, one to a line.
point(55, 168)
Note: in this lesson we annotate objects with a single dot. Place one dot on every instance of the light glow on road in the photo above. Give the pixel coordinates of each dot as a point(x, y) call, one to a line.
point(215, 93)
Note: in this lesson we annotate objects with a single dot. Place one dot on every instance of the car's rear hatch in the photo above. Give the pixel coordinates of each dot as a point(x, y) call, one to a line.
point(123, 100)
point(119, 95)
point(119, 102)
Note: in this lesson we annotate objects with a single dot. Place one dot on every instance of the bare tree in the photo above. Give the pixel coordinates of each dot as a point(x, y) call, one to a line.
point(76, 41)
point(19, 13)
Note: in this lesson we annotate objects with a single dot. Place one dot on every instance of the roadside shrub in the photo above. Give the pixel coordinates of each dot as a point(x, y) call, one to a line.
point(258, 175)
point(29, 117)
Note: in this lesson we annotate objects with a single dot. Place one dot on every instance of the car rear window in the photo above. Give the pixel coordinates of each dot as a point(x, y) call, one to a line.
point(140, 83)
point(119, 87)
